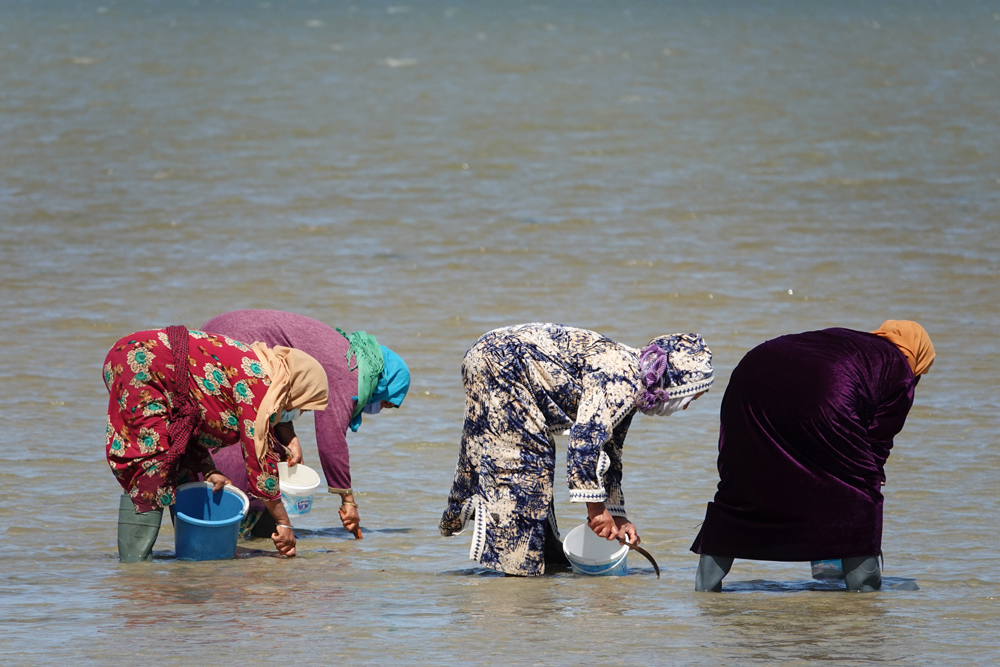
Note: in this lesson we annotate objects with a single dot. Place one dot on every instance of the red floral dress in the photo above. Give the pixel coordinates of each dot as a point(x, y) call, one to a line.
point(227, 381)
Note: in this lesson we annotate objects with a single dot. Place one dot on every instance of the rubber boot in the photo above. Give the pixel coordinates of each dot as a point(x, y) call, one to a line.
point(711, 570)
point(136, 531)
point(862, 574)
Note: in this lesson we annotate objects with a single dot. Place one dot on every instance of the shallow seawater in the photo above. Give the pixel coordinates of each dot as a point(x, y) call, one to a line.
point(432, 170)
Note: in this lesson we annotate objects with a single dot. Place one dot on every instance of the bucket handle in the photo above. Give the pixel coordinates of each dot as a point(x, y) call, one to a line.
point(643, 552)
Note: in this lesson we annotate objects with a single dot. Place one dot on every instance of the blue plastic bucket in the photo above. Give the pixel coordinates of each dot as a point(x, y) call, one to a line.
point(207, 524)
point(591, 554)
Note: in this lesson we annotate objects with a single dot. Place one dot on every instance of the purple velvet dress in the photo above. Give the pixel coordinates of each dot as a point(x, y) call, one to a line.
point(807, 424)
point(328, 347)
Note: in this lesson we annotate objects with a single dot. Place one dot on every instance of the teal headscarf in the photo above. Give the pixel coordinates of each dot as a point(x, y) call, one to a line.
point(382, 374)
point(368, 361)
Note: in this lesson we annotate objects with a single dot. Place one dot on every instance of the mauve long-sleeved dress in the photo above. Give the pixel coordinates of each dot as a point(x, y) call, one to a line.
point(328, 347)
point(807, 424)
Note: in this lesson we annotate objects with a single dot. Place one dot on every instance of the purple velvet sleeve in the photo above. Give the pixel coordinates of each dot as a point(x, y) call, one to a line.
point(890, 415)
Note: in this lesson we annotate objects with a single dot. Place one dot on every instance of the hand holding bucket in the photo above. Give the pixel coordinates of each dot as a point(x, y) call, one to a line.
point(610, 527)
point(218, 480)
point(591, 554)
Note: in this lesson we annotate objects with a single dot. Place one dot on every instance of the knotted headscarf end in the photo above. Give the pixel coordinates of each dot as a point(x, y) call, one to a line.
point(673, 367)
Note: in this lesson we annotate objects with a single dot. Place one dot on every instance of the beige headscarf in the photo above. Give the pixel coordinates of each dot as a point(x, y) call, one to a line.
point(297, 382)
point(912, 340)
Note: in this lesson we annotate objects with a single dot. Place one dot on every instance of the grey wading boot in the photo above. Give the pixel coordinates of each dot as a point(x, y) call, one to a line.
point(711, 570)
point(137, 531)
point(862, 574)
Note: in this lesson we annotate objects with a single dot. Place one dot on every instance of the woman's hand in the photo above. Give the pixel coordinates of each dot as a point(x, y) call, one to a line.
point(285, 434)
point(349, 516)
point(283, 536)
point(218, 480)
point(627, 530)
point(284, 540)
point(294, 452)
point(601, 521)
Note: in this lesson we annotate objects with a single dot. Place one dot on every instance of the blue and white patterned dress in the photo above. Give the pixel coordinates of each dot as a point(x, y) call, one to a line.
point(523, 384)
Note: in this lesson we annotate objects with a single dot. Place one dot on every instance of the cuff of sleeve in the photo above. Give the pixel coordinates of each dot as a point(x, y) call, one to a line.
point(616, 510)
point(342, 492)
point(587, 496)
point(616, 500)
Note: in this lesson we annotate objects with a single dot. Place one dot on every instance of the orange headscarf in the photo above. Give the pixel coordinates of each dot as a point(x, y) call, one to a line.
point(297, 382)
point(912, 340)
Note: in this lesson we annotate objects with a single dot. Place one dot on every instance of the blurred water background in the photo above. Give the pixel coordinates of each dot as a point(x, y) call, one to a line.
point(429, 171)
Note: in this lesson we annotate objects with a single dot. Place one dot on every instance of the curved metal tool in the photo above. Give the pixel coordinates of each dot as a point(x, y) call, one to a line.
point(643, 552)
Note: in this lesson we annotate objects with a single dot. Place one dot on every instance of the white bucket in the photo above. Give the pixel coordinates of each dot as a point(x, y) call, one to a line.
point(588, 553)
point(298, 484)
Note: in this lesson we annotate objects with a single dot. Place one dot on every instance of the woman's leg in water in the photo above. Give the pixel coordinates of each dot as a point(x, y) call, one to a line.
point(862, 574)
point(711, 570)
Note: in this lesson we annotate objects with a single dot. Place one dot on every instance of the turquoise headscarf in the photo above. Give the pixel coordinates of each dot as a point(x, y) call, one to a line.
point(393, 384)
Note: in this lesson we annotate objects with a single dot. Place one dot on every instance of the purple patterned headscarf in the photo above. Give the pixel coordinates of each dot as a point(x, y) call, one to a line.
point(674, 367)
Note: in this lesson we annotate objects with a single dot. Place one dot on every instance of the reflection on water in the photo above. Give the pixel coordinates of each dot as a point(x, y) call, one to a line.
point(766, 586)
point(778, 629)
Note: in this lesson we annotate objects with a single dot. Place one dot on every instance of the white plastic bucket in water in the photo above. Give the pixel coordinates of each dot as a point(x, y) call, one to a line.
point(588, 553)
point(298, 484)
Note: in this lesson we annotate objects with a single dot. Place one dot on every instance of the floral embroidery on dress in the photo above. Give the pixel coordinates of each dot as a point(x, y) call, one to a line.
point(252, 367)
point(267, 483)
point(210, 442)
point(165, 496)
point(238, 345)
point(116, 444)
point(154, 407)
point(140, 379)
point(210, 383)
point(123, 399)
point(149, 440)
point(242, 392)
point(140, 359)
point(229, 421)
point(141, 385)
point(216, 374)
